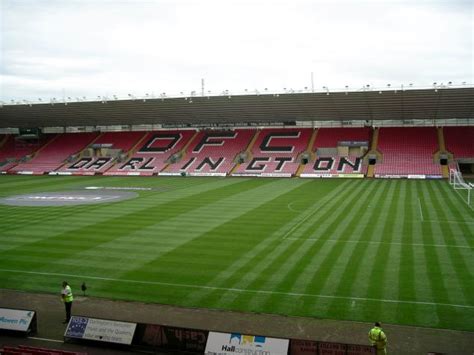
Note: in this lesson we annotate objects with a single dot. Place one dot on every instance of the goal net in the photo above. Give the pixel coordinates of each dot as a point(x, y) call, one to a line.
point(460, 186)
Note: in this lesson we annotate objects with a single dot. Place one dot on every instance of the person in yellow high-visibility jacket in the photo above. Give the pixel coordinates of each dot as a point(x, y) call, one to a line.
point(378, 339)
point(66, 295)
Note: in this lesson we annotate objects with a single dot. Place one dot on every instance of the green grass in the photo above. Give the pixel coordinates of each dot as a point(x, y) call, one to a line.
point(398, 251)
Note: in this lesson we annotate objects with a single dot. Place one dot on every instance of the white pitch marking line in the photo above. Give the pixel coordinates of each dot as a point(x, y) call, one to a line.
point(46, 339)
point(297, 225)
point(394, 243)
point(447, 221)
point(240, 290)
point(421, 210)
point(292, 209)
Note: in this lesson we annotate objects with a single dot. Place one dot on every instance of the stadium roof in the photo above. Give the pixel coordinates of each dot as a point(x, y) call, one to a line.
point(372, 105)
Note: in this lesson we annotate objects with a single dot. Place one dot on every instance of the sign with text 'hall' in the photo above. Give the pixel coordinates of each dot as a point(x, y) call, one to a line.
point(235, 343)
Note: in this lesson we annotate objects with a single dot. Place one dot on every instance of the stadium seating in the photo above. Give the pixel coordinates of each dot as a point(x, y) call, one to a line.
point(212, 152)
point(460, 141)
point(12, 151)
point(329, 137)
point(327, 165)
point(275, 152)
point(53, 155)
point(154, 152)
point(407, 151)
point(122, 141)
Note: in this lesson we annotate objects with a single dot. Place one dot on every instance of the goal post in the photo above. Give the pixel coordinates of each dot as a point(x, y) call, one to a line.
point(460, 186)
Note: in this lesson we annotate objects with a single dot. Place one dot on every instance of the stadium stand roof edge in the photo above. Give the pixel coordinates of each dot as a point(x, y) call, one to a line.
point(374, 105)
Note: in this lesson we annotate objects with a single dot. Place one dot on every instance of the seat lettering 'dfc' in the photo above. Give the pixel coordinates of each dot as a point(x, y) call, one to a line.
point(161, 142)
point(214, 139)
point(89, 164)
point(267, 146)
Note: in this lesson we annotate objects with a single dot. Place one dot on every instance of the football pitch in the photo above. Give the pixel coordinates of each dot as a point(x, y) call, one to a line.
point(398, 251)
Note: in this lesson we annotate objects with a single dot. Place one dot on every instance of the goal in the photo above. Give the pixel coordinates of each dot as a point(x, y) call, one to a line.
point(460, 186)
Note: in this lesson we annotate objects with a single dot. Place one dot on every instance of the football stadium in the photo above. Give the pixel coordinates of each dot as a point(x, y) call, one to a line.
point(342, 213)
point(240, 177)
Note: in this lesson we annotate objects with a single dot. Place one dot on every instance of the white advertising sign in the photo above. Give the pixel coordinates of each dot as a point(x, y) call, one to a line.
point(207, 174)
point(168, 174)
point(100, 330)
point(416, 176)
point(235, 343)
point(13, 319)
point(286, 175)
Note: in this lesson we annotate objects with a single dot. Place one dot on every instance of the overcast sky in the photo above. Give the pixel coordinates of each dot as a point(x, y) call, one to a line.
point(101, 47)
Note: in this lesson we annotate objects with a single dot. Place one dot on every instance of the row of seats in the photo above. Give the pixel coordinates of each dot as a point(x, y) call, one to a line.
point(32, 350)
point(53, 154)
point(274, 151)
point(408, 151)
point(460, 141)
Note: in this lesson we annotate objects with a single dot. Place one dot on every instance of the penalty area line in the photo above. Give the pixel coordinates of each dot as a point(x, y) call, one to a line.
point(388, 243)
point(239, 290)
point(421, 210)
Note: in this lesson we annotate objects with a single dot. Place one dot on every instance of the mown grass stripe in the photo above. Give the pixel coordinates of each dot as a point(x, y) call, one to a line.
point(108, 229)
point(433, 267)
point(455, 264)
point(198, 222)
point(318, 258)
point(381, 230)
point(406, 274)
point(281, 265)
point(347, 265)
point(232, 275)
